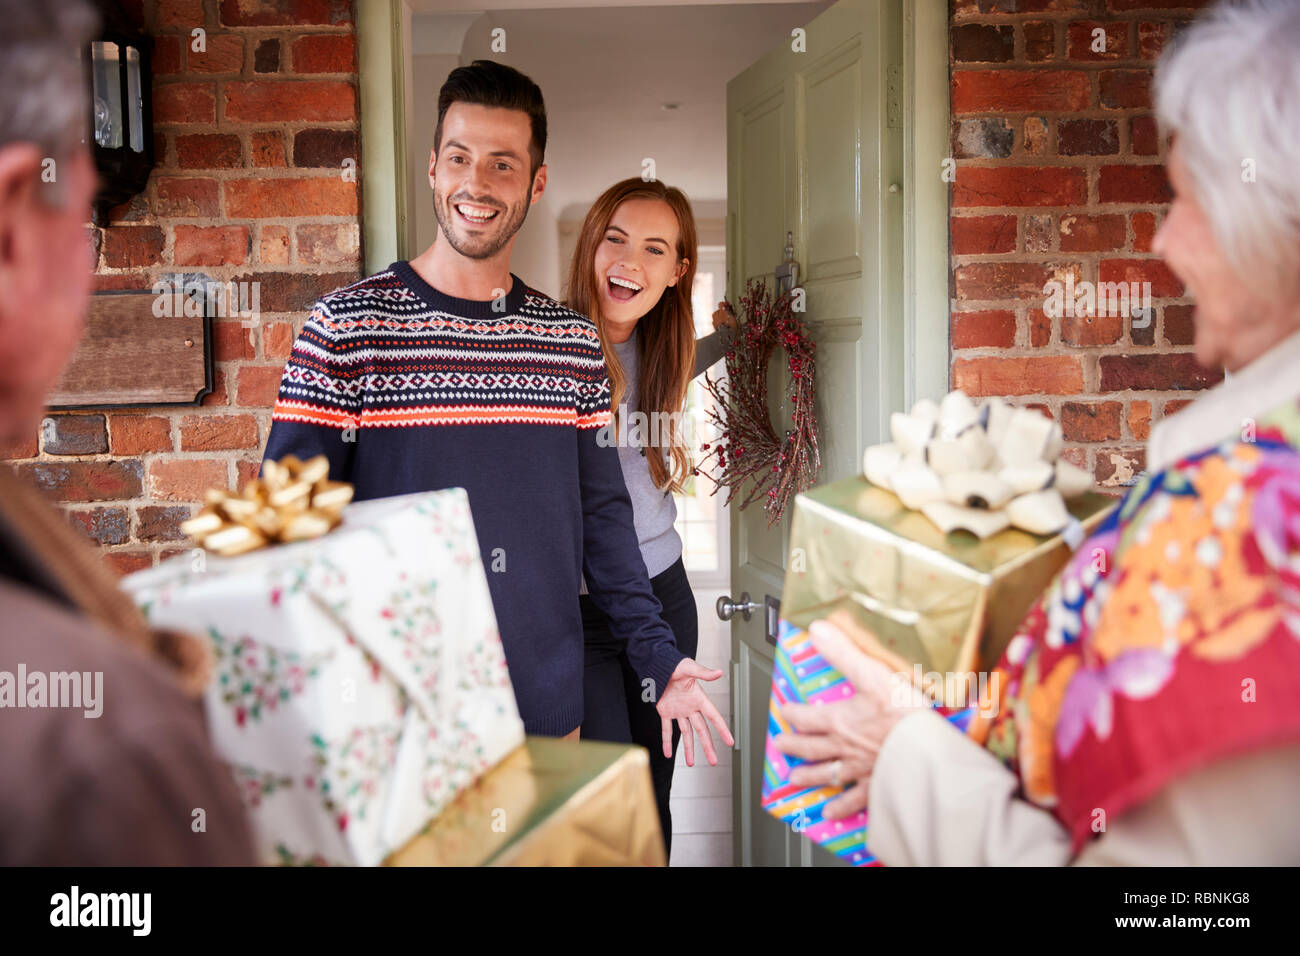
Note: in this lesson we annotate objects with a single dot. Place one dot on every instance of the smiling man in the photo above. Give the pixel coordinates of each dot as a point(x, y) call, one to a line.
point(449, 371)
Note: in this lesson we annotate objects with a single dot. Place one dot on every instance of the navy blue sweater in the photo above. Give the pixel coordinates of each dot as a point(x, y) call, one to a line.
point(406, 389)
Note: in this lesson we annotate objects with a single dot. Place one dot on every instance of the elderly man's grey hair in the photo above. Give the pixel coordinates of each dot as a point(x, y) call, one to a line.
point(1229, 89)
point(43, 92)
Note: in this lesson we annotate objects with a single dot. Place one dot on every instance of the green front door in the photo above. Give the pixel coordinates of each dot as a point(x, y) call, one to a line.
point(814, 143)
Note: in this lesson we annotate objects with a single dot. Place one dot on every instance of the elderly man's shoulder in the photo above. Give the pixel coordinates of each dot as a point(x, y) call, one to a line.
point(97, 741)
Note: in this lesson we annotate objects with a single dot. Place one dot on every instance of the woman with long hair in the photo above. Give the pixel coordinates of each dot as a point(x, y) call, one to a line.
point(632, 273)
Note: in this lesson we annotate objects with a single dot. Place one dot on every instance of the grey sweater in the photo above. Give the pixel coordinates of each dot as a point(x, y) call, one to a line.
point(653, 508)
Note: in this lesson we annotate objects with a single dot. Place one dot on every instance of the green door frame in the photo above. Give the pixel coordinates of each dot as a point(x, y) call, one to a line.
point(383, 44)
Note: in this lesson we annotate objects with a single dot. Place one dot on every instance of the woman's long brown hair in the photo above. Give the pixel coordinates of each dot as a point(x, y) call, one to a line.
point(665, 334)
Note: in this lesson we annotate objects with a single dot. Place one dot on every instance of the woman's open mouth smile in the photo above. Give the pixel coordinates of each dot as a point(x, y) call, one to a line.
point(622, 290)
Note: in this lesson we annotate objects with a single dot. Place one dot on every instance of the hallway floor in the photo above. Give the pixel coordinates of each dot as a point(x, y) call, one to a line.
point(701, 799)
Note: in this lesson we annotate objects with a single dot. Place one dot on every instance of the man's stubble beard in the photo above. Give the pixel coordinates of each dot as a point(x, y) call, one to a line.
point(486, 248)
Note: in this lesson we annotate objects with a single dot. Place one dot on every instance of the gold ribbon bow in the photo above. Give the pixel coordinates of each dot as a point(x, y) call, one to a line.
point(292, 501)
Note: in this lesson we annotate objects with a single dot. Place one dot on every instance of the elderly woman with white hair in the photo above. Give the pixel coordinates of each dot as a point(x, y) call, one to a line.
point(1148, 710)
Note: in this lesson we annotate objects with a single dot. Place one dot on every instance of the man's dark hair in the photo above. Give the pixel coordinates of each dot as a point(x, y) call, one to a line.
point(486, 83)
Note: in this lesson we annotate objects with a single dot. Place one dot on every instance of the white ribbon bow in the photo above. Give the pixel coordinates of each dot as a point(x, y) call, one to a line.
point(979, 468)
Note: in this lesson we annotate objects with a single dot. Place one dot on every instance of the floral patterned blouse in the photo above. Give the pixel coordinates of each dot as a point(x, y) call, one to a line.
point(1171, 640)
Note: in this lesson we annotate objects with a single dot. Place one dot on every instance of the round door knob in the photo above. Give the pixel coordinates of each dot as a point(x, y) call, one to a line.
point(727, 608)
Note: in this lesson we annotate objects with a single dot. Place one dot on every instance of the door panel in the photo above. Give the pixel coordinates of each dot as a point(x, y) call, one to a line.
point(810, 151)
point(830, 100)
point(771, 842)
point(761, 128)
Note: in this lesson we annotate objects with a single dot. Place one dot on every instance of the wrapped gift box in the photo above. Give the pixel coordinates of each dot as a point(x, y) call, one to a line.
point(802, 676)
point(949, 602)
point(937, 604)
point(551, 802)
point(359, 679)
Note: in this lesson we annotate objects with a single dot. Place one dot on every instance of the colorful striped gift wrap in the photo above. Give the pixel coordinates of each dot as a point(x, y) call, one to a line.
point(802, 676)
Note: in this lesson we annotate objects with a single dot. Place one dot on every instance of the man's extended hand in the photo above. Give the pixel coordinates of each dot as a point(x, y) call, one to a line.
point(684, 701)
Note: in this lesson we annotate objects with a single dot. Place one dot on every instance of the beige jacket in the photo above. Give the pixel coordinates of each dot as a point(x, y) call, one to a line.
point(938, 799)
point(117, 780)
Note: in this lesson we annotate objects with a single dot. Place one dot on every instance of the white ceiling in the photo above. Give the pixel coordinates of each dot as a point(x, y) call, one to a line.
point(611, 67)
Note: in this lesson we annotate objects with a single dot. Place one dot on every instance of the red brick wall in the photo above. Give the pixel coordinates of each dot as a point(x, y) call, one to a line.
point(1059, 171)
point(251, 135)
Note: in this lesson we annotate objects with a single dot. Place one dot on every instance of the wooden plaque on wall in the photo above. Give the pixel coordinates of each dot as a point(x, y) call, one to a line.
point(130, 356)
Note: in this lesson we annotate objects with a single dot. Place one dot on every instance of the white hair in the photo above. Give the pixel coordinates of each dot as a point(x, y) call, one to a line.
point(1229, 88)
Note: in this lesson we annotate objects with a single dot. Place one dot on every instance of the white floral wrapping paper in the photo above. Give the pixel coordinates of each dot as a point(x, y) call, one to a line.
point(359, 679)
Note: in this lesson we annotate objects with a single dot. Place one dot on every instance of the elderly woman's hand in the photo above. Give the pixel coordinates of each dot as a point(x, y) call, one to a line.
point(842, 740)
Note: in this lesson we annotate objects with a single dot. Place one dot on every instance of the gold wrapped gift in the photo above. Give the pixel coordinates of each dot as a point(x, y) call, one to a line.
point(551, 802)
point(949, 602)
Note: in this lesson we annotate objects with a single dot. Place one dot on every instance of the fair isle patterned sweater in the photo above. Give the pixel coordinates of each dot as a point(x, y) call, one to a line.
point(406, 389)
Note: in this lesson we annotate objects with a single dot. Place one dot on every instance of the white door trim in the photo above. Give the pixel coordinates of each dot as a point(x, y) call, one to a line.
point(926, 146)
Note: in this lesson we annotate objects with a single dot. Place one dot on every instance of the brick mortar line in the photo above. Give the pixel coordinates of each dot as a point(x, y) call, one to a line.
point(1058, 160)
point(259, 125)
point(1117, 114)
point(960, 212)
point(1019, 18)
point(1014, 256)
point(214, 222)
point(1126, 398)
point(263, 32)
point(279, 173)
point(231, 76)
point(1083, 351)
point(1133, 64)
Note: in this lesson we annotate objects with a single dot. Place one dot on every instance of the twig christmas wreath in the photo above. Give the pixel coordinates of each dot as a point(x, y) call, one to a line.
point(750, 448)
